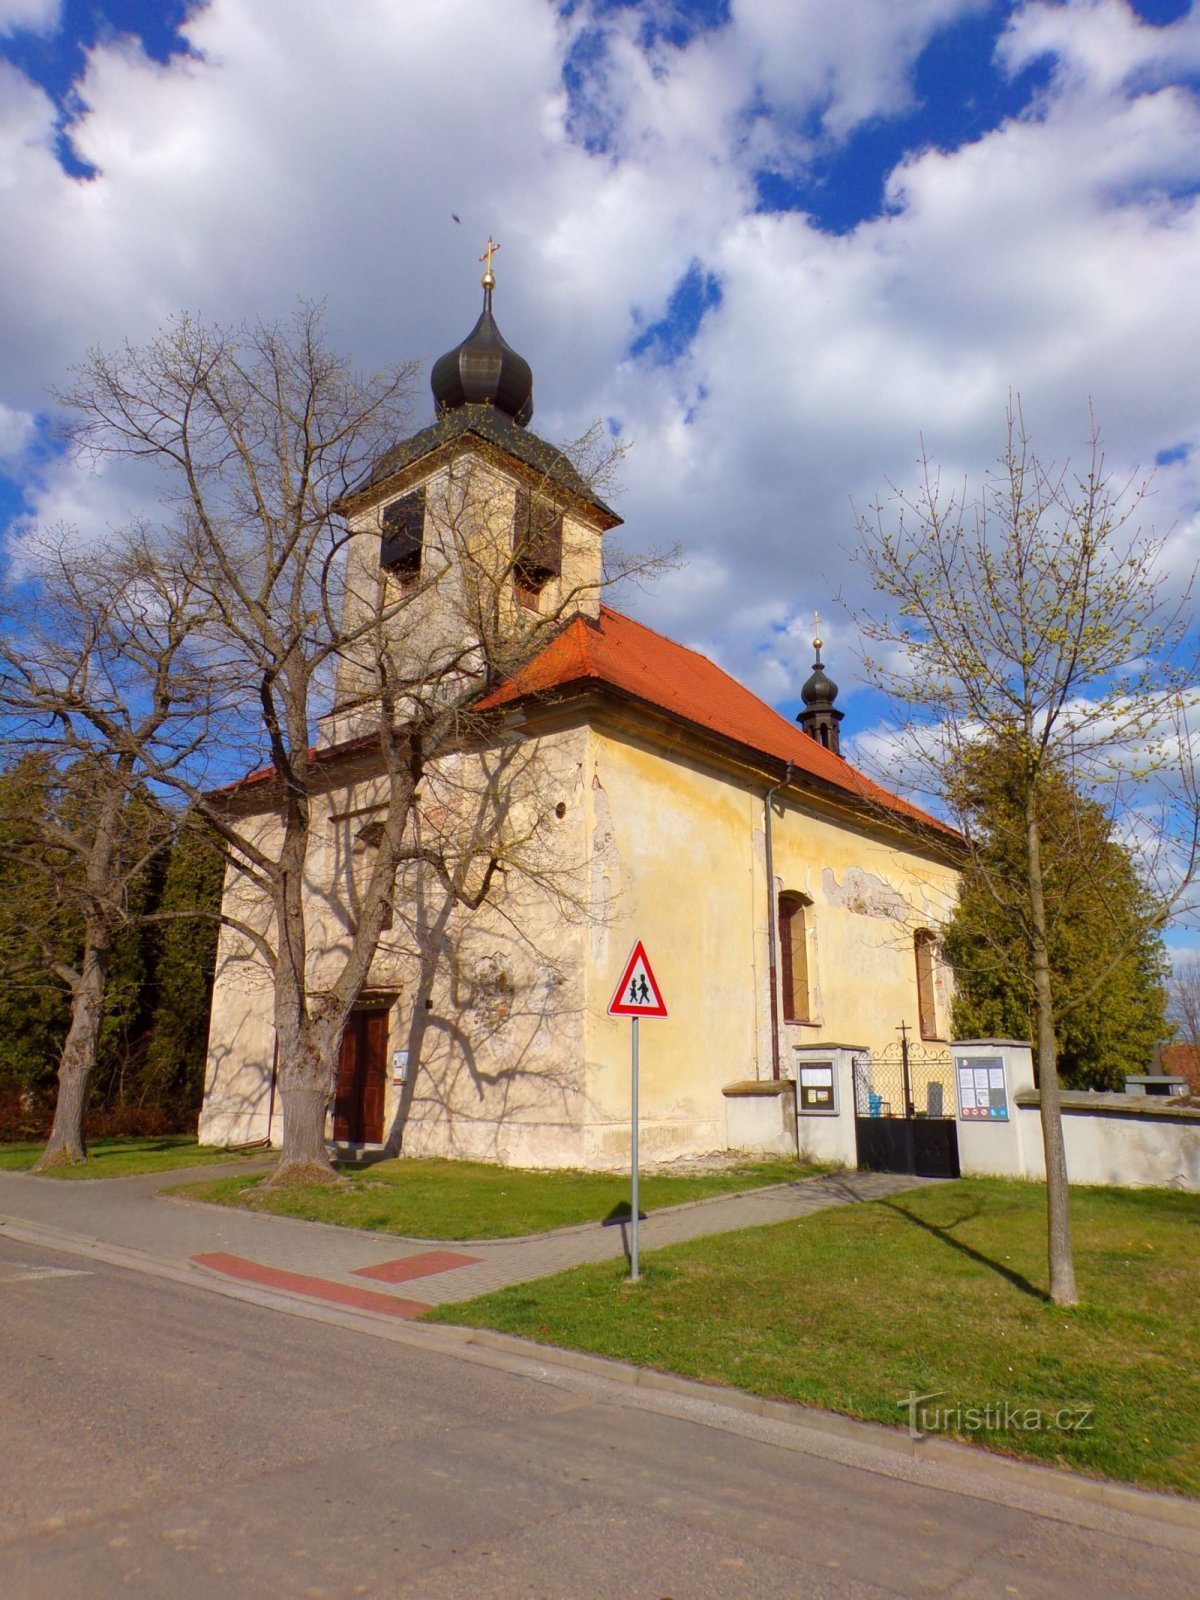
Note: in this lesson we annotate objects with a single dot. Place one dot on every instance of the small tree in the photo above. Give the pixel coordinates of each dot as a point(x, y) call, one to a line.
point(263, 435)
point(97, 684)
point(1034, 618)
point(1183, 1011)
point(1106, 959)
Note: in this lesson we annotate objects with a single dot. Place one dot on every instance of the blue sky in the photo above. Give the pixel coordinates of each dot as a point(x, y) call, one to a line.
point(776, 242)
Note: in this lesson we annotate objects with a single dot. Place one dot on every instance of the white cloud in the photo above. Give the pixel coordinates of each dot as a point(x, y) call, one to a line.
point(29, 16)
point(16, 432)
point(305, 149)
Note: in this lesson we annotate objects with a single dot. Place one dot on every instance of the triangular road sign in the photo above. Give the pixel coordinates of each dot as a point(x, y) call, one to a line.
point(637, 994)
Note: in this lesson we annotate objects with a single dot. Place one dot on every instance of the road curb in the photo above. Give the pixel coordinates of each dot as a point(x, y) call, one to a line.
point(1175, 1509)
point(483, 1343)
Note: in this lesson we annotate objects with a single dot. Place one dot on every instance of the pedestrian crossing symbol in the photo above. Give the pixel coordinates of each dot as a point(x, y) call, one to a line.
point(637, 994)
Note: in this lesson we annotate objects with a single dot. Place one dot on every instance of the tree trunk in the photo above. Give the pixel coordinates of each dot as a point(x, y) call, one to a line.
point(305, 1155)
point(66, 1145)
point(1063, 1291)
point(305, 1088)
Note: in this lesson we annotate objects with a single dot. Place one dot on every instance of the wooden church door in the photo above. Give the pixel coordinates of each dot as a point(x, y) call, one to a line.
point(362, 1077)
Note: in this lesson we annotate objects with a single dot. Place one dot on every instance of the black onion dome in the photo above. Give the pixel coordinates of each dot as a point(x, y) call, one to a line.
point(484, 370)
point(820, 688)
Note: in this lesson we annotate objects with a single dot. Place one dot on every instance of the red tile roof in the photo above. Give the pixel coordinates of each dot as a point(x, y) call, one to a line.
point(624, 655)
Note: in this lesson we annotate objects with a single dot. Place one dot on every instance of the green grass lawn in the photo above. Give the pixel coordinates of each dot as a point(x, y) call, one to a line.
point(940, 1289)
point(435, 1199)
point(122, 1158)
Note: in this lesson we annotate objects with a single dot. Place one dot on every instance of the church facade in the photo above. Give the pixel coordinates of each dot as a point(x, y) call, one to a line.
point(788, 904)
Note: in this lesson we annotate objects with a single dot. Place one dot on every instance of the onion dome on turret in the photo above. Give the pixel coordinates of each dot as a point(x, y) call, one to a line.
point(820, 717)
point(484, 370)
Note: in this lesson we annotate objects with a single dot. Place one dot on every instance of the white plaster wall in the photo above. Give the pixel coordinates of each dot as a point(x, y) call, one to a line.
point(819, 1135)
point(1105, 1142)
point(465, 566)
point(495, 1055)
point(241, 1032)
point(997, 1149)
point(761, 1123)
point(1125, 1151)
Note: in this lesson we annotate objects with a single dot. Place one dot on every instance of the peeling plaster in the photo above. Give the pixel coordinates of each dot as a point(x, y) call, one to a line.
point(866, 895)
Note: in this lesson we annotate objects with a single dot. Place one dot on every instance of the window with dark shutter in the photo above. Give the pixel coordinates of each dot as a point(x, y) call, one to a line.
point(403, 533)
point(793, 957)
point(537, 546)
point(923, 944)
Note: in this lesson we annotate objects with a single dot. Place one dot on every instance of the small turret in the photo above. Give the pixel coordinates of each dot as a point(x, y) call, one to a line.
point(820, 717)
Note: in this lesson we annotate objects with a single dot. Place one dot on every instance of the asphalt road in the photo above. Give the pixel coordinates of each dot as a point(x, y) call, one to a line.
point(158, 1440)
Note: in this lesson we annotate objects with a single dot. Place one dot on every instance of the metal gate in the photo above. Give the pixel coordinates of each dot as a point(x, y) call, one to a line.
point(904, 1111)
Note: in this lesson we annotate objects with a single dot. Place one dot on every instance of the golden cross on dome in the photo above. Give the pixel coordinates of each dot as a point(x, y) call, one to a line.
point(489, 251)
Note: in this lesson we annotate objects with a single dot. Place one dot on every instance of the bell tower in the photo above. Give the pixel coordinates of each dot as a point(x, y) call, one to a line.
point(471, 532)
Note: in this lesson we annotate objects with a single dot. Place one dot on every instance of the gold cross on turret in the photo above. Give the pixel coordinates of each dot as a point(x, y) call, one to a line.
point(489, 251)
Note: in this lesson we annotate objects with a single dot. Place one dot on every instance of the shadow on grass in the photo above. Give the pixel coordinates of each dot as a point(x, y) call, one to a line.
point(1017, 1279)
point(144, 1145)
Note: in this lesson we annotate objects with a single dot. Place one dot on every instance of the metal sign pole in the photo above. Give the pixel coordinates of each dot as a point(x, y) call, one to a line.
point(633, 1224)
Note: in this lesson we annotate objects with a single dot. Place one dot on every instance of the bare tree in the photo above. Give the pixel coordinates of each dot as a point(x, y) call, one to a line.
point(1183, 1000)
point(98, 681)
point(1035, 619)
point(266, 437)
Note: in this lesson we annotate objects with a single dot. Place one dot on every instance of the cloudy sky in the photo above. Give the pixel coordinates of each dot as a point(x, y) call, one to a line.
point(773, 242)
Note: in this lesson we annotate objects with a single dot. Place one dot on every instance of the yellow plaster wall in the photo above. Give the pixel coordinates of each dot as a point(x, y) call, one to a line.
point(514, 1058)
point(870, 894)
point(680, 847)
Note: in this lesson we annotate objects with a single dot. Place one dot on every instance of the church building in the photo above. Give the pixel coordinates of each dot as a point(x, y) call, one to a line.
point(786, 903)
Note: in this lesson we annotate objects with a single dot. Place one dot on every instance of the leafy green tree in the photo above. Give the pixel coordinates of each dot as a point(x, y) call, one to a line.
point(189, 912)
point(154, 1022)
point(1107, 961)
point(37, 933)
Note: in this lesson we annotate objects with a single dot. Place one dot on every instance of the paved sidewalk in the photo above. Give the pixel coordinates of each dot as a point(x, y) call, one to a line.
point(382, 1273)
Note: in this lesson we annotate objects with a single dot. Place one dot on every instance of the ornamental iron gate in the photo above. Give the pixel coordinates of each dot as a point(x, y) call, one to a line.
point(904, 1111)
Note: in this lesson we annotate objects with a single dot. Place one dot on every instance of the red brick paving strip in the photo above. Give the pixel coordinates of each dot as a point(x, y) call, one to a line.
point(418, 1266)
point(342, 1294)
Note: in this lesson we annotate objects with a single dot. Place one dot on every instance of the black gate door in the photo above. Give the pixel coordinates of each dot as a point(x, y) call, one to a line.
point(903, 1112)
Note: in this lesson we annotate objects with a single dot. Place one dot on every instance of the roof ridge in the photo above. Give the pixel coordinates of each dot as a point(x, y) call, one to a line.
point(716, 666)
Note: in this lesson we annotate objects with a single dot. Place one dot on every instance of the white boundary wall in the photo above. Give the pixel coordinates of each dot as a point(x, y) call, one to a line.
point(1125, 1141)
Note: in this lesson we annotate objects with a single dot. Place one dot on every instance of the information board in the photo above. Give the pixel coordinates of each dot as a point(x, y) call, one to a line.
point(817, 1087)
point(982, 1091)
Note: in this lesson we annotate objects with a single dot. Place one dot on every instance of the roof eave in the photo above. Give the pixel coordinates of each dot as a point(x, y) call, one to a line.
point(937, 834)
point(589, 506)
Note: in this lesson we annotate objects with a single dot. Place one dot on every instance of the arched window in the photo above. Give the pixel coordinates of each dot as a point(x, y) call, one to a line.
point(403, 536)
point(924, 944)
point(793, 956)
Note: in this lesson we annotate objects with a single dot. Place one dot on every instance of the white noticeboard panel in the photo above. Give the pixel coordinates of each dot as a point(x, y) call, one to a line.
point(982, 1090)
point(818, 1089)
